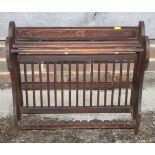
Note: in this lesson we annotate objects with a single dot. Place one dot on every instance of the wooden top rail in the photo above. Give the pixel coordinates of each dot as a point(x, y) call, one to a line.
point(90, 33)
point(75, 33)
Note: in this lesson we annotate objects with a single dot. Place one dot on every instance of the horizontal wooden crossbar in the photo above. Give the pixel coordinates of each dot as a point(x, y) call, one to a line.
point(78, 45)
point(49, 43)
point(66, 109)
point(73, 85)
point(93, 124)
point(76, 58)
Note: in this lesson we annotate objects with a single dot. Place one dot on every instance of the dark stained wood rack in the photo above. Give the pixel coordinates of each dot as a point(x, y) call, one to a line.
point(108, 65)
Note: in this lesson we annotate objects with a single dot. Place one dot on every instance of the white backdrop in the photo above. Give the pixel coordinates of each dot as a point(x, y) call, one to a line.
point(77, 19)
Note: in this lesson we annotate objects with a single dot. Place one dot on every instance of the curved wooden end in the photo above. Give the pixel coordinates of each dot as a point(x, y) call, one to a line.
point(146, 44)
point(141, 29)
point(7, 52)
point(12, 28)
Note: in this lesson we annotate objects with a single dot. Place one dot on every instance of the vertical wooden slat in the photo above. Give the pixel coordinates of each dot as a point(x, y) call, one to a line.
point(91, 81)
point(33, 85)
point(127, 83)
point(26, 87)
point(48, 86)
point(77, 82)
point(62, 81)
point(105, 90)
point(99, 79)
point(40, 81)
point(55, 89)
point(120, 84)
point(84, 81)
point(113, 82)
point(69, 84)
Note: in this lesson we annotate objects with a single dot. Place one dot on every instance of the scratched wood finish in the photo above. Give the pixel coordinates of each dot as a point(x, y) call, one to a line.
point(104, 50)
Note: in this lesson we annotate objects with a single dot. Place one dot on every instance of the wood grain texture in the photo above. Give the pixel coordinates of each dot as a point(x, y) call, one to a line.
point(74, 33)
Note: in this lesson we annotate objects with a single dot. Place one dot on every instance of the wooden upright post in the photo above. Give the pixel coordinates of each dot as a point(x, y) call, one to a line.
point(14, 68)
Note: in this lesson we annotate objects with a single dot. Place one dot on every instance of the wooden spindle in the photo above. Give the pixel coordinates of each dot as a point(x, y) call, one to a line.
point(105, 90)
point(77, 82)
point(99, 79)
point(91, 81)
point(48, 84)
point(120, 84)
point(69, 84)
point(84, 81)
point(55, 89)
point(113, 82)
point(33, 85)
point(62, 81)
point(40, 81)
point(127, 83)
point(26, 87)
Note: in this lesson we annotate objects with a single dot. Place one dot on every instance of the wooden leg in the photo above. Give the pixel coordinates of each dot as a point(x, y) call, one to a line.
point(136, 92)
point(136, 129)
point(16, 88)
point(16, 108)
